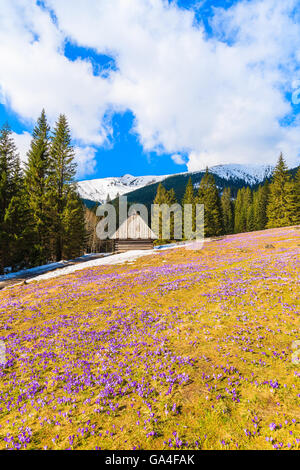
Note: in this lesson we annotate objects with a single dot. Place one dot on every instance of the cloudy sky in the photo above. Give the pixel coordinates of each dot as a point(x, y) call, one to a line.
point(155, 86)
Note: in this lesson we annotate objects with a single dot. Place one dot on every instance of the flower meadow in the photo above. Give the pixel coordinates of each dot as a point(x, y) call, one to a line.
point(179, 350)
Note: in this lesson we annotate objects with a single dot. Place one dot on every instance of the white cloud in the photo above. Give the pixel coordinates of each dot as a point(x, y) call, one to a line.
point(85, 159)
point(178, 159)
point(22, 142)
point(37, 74)
point(219, 102)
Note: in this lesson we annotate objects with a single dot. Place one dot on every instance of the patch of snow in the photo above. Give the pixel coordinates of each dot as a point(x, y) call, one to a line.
point(48, 267)
point(109, 260)
point(32, 271)
point(121, 258)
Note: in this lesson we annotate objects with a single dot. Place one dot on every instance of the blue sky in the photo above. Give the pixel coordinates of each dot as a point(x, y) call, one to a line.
point(165, 90)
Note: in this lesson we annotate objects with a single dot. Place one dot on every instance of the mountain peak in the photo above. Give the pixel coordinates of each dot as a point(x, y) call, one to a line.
point(98, 189)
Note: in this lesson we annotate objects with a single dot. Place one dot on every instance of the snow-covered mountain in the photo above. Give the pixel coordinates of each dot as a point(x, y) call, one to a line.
point(251, 174)
point(98, 189)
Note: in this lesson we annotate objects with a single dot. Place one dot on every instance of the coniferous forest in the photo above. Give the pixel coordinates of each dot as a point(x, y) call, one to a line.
point(272, 204)
point(42, 218)
point(41, 215)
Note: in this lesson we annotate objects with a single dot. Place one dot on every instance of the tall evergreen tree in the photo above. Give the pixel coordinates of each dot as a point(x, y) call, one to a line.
point(248, 210)
point(250, 218)
point(243, 212)
point(18, 222)
point(174, 218)
point(227, 211)
point(297, 198)
point(281, 208)
point(161, 195)
point(239, 222)
point(62, 169)
point(10, 183)
point(164, 197)
point(37, 188)
point(160, 198)
point(73, 226)
point(189, 198)
point(260, 201)
point(209, 196)
point(9, 160)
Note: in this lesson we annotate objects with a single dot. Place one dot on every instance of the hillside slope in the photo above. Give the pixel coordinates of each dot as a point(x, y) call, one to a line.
point(181, 350)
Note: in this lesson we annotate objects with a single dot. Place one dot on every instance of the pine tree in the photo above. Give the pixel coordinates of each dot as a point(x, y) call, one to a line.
point(248, 210)
point(18, 222)
point(281, 208)
point(227, 211)
point(239, 222)
point(189, 199)
point(161, 195)
point(160, 198)
point(297, 198)
point(9, 164)
point(209, 196)
point(73, 226)
point(171, 197)
point(63, 169)
point(37, 188)
point(260, 201)
point(10, 179)
point(170, 200)
point(250, 218)
point(243, 212)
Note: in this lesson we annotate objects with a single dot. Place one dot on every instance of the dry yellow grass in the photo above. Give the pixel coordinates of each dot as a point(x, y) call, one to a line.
point(185, 349)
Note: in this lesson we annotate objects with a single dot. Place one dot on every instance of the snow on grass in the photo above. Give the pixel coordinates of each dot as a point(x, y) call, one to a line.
point(120, 258)
point(33, 271)
point(45, 268)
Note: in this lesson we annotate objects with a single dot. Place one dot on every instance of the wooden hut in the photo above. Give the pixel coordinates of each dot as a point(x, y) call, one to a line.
point(133, 234)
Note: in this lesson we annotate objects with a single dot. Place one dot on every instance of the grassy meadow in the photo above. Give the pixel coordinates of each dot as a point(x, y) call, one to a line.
point(179, 350)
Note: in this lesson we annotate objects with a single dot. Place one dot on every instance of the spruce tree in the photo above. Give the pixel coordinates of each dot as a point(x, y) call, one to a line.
point(170, 200)
point(250, 218)
point(248, 210)
point(9, 164)
point(239, 222)
point(189, 198)
point(160, 198)
point(227, 211)
point(297, 198)
point(260, 200)
point(209, 196)
point(161, 195)
point(63, 170)
point(281, 208)
point(10, 180)
point(38, 190)
point(73, 226)
point(18, 222)
point(243, 212)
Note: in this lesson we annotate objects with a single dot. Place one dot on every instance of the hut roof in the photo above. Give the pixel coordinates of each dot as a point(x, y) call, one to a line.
point(134, 228)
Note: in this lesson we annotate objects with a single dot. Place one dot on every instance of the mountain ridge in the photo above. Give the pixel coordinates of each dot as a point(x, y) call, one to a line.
point(143, 188)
